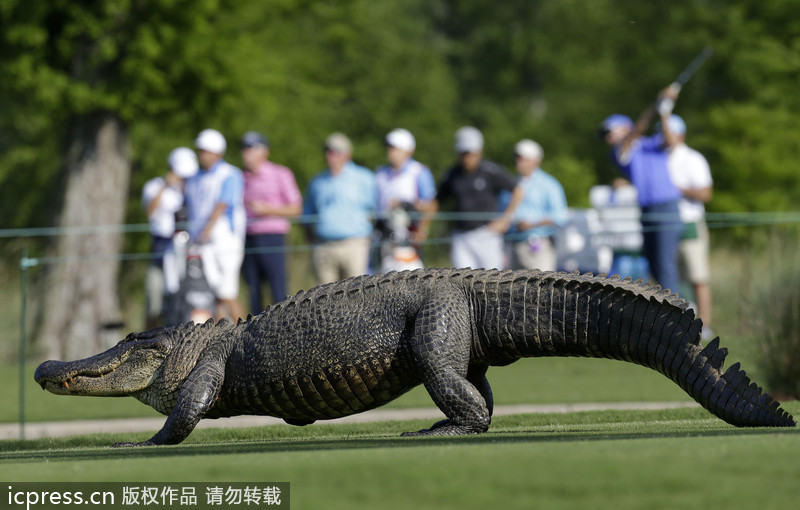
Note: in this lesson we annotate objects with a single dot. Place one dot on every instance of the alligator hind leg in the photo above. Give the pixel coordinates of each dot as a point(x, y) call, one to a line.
point(441, 348)
point(481, 383)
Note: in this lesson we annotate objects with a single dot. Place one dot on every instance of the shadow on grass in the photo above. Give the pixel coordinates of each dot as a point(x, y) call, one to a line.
point(259, 440)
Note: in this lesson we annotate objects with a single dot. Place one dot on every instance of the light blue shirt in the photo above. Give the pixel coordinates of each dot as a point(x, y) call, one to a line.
point(543, 198)
point(344, 205)
point(222, 183)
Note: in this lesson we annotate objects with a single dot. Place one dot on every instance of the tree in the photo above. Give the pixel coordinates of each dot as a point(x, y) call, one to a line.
point(88, 71)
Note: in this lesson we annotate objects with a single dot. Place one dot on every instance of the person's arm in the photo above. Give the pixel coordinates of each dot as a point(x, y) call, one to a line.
point(700, 194)
point(503, 223)
point(427, 209)
point(666, 98)
point(309, 210)
point(426, 204)
point(218, 211)
point(170, 181)
point(232, 190)
point(266, 209)
point(292, 201)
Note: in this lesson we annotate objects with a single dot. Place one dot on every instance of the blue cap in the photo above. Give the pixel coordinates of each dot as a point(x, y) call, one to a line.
point(616, 120)
point(254, 139)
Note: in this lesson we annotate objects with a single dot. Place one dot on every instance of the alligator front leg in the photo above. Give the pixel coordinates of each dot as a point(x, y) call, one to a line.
point(197, 395)
point(441, 349)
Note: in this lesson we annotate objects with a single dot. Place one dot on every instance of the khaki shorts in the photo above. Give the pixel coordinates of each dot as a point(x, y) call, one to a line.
point(336, 260)
point(693, 254)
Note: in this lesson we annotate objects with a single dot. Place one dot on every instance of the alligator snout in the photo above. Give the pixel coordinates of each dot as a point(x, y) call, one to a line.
point(51, 371)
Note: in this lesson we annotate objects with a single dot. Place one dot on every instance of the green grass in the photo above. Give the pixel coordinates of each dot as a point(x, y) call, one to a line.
point(682, 458)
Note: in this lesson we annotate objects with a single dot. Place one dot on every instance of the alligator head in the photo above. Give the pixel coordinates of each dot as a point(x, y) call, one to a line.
point(128, 368)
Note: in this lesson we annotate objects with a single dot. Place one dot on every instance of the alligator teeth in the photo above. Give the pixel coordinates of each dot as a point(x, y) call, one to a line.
point(66, 384)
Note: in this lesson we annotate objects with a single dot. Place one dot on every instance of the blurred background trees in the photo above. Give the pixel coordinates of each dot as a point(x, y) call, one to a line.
point(159, 71)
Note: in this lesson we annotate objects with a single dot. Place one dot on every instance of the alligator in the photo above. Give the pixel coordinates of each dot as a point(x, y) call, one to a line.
point(356, 344)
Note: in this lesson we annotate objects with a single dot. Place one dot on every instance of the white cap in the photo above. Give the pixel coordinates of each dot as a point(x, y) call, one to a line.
point(211, 140)
point(468, 139)
point(529, 149)
point(183, 161)
point(401, 139)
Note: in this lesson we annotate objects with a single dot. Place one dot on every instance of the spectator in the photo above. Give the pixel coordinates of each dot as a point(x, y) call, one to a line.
point(643, 160)
point(472, 187)
point(162, 198)
point(271, 197)
point(343, 199)
point(216, 219)
point(542, 210)
point(404, 186)
point(690, 173)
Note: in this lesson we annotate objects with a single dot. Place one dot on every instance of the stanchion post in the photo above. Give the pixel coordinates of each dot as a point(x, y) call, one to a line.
point(24, 264)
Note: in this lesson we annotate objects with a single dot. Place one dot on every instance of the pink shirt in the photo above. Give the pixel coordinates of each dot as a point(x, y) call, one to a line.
point(275, 185)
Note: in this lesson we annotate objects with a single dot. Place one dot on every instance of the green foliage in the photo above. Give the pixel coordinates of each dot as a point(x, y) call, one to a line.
point(774, 317)
point(298, 70)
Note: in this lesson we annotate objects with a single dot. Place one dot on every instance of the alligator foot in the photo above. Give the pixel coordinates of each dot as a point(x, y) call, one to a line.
point(445, 428)
point(132, 445)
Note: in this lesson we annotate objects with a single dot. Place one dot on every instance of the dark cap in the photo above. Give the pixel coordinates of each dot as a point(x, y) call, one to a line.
point(253, 139)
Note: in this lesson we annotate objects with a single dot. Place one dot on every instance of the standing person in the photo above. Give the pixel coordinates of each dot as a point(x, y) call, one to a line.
point(343, 199)
point(473, 187)
point(404, 184)
point(690, 172)
point(162, 198)
point(542, 210)
point(643, 161)
point(216, 219)
point(271, 197)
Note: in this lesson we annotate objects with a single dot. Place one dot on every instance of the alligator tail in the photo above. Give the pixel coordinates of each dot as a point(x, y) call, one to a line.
point(560, 314)
point(730, 395)
point(668, 341)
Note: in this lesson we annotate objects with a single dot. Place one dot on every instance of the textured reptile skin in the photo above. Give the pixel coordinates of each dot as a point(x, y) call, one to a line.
point(353, 345)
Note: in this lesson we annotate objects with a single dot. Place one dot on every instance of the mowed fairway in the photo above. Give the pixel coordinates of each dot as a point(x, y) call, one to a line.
point(680, 458)
point(656, 459)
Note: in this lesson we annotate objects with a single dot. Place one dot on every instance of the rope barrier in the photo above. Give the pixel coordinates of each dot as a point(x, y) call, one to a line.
point(713, 221)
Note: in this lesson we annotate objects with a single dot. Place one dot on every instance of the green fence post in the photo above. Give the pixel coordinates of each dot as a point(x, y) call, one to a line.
point(24, 264)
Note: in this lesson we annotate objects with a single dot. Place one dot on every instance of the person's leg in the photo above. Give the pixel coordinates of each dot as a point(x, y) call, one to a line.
point(154, 296)
point(487, 247)
point(250, 270)
point(694, 253)
point(273, 265)
point(324, 263)
point(353, 256)
point(460, 255)
point(229, 260)
point(662, 234)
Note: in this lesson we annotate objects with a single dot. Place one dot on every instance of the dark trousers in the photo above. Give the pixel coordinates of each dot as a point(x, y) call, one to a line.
point(661, 229)
point(264, 260)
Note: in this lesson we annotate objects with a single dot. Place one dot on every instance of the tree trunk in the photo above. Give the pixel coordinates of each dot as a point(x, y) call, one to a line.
point(80, 294)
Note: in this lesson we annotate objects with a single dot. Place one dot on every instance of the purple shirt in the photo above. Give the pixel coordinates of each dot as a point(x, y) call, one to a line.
point(275, 185)
point(645, 165)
